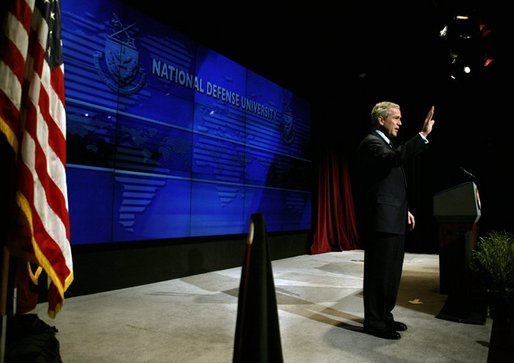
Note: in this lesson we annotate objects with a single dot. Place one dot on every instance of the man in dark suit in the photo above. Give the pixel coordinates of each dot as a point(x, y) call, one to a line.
point(384, 215)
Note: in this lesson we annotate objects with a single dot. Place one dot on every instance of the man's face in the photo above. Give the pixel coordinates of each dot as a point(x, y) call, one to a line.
point(391, 124)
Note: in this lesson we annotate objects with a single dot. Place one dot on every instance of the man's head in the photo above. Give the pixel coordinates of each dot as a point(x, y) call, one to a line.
point(386, 117)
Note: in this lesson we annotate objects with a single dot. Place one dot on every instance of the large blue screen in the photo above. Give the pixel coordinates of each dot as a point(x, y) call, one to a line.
point(168, 139)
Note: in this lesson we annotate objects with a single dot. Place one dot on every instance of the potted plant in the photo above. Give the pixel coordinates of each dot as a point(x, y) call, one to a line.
point(493, 261)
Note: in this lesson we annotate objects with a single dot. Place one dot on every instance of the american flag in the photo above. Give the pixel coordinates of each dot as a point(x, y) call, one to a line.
point(33, 120)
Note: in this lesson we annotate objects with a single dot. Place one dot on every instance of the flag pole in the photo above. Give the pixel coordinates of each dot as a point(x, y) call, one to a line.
point(3, 299)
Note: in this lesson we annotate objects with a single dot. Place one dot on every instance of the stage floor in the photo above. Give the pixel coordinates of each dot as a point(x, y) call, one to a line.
point(193, 319)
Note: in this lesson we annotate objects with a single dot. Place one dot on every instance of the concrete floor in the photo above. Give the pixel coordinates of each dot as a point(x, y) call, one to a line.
point(193, 319)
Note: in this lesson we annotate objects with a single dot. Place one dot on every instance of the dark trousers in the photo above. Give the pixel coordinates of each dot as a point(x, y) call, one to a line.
point(383, 261)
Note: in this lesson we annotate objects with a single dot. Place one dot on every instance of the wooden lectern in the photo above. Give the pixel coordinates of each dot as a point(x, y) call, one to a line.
point(457, 211)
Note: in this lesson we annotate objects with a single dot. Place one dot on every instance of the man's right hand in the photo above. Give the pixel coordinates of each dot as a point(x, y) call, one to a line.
point(429, 123)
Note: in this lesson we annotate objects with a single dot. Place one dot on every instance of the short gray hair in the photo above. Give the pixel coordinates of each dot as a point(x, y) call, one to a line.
point(381, 109)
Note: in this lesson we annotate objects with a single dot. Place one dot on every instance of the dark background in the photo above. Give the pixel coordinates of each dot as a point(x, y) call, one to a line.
point(344, 57)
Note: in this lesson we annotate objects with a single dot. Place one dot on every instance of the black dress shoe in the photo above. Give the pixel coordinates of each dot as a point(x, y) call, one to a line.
point(398, 326)
point(383, 333)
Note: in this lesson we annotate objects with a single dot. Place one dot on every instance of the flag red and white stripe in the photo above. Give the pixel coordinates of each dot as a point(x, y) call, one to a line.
point(33, 119)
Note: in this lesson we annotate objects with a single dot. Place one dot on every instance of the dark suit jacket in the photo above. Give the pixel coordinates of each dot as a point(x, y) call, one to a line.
point(381, 183)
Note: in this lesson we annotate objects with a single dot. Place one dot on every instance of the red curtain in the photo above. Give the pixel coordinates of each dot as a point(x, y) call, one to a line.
point(336, 223)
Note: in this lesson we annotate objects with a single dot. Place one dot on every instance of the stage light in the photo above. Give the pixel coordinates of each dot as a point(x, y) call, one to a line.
point(466, 38)
point(488, 61)
point(443, 32)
